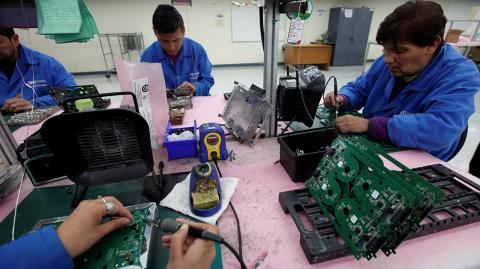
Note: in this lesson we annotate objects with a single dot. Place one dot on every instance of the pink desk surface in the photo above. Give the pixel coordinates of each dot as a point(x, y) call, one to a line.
point(270, 237)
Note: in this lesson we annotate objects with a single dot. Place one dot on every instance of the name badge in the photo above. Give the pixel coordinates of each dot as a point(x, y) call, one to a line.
point(36, 83)
point(194, 76)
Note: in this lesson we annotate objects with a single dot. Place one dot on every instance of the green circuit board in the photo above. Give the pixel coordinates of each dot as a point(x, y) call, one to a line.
point(122, 248)
point(327, 118)
point(370, 206)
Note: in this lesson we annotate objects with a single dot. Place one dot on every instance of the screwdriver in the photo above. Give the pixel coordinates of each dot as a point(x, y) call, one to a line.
point(171, 226)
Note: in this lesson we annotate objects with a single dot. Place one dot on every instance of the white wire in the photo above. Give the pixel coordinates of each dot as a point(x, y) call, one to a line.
point(16, 206)
point(34, 93)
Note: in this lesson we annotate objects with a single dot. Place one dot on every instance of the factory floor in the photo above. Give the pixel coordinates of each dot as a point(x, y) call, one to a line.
point(225, 76)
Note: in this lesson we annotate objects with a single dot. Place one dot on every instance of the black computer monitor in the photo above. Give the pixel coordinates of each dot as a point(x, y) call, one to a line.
point(299, 95)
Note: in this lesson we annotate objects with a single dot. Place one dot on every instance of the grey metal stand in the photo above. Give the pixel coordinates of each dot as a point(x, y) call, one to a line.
point(272, 16)
point(127, 42)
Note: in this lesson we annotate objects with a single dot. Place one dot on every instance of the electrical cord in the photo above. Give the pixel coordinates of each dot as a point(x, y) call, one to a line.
point(334, 90)
point(240, 259)
point(239, 232)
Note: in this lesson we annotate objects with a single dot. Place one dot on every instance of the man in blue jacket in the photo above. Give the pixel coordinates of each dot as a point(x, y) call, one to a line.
point(420, 93)
point(25, 75)
point(184, 62)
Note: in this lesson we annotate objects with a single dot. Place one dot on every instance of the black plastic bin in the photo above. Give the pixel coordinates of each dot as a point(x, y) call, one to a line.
point(309, 144)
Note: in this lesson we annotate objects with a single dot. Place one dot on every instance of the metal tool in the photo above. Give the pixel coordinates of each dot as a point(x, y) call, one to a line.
point(171, 226)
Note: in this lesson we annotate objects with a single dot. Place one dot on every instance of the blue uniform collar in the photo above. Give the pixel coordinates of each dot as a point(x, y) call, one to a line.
point(429, 71)
point(24, 60)
point(24, 56)
point(185, 51)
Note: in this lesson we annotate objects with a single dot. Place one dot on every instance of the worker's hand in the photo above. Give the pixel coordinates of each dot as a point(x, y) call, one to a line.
point(16, 104)
point(83, 228)
point(189, 86)
point(330, 100)
point(190, 252)
point(352, 124)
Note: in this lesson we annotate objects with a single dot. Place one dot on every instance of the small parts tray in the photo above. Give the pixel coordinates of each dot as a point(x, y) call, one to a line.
point(460, 206)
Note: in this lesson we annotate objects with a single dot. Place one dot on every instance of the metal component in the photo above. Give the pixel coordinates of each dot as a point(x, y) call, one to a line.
point(31, 117)
point(244, 112)
point(181, 91)
point(272, 16)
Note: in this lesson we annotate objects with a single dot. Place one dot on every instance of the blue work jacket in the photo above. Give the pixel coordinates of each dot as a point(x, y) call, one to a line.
point(431, 112)
point(41, 249)
point(48, 73)
point(192, 66)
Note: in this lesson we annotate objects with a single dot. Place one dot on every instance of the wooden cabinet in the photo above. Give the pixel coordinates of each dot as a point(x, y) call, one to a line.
point(317, 54)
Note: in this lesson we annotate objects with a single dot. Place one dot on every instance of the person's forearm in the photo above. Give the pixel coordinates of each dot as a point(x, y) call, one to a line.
point(377, 129)
point(41, 249)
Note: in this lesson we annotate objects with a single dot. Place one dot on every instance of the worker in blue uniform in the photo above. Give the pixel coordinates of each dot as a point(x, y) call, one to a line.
point(184, 62)
point(420, 93)
point(52, 249)
point(25, 75)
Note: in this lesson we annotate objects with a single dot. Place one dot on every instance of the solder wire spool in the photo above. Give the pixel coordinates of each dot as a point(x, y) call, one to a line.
point(84, 104)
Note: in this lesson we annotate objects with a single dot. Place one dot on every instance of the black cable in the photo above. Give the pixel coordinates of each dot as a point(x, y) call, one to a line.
point(214, 158)
point(240, 260)
point(326, 84)
point(262, 33)
point(323, 95)
point(239, 232)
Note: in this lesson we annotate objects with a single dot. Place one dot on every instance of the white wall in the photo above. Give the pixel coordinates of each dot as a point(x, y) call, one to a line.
point(117, 16)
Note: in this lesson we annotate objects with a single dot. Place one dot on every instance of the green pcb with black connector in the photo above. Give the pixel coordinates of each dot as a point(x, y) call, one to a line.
point(327, 118)
point(370, 206)
point(124, 248)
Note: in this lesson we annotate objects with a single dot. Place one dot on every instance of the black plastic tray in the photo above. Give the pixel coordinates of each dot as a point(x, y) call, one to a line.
point(460, 206)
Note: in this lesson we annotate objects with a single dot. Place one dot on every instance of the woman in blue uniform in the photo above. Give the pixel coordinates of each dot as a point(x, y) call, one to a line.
point(184, 61)
point(420, 93)
point(26, 75)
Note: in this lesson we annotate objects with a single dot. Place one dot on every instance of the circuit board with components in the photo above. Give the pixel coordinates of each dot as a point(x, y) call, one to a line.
point(124, 248)
point(34, 116)
point(327, 118)
point(370, 206)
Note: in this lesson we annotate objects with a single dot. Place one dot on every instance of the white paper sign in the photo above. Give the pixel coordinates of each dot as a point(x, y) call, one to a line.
point(295, 31)
point(140, 89)
point(348, 13)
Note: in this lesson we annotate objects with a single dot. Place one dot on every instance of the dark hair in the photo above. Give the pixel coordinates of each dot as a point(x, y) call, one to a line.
point(415, 22)
point(166, 19)
point(8, 32)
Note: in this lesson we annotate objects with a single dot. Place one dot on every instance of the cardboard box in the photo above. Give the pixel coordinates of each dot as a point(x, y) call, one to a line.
point(453, 35)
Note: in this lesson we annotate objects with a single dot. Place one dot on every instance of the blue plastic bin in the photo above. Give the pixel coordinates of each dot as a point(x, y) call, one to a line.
point(181, 148)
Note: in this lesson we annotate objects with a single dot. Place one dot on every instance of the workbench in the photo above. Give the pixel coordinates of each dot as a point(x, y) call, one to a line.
point(270, 237)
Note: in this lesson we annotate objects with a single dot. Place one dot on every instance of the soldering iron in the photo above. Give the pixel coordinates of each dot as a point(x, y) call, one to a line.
point(171, 226)
point(335, 95)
